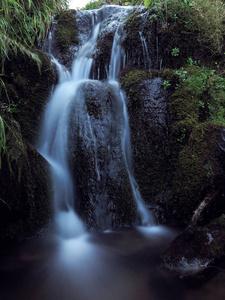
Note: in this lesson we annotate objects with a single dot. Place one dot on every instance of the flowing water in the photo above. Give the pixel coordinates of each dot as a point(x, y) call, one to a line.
point(71, 264)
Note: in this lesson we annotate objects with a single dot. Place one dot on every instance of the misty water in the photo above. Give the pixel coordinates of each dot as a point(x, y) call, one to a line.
point(70, 262)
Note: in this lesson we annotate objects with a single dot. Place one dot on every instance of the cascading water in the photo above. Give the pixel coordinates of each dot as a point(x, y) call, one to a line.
point(55, 132)
point(55, 137)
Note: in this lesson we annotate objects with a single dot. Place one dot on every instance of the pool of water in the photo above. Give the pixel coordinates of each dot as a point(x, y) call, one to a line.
point(113, 265)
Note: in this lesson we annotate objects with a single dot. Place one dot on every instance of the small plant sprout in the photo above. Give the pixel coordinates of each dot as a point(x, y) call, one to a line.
point(166, 84)
point(175, 52)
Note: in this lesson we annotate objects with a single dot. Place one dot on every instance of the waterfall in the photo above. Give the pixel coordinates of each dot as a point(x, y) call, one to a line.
point(55, 136)
point(69, 96)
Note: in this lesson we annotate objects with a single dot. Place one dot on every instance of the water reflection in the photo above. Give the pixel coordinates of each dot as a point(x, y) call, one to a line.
point(117, 265)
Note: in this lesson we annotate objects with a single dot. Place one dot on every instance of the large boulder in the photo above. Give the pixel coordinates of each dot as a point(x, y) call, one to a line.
point(104, 195)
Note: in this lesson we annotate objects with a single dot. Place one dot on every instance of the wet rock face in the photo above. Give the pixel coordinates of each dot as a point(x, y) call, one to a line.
point(196, 248)
point(104, 196)
point(25, 207)
point(147, 107)
point(141, 42)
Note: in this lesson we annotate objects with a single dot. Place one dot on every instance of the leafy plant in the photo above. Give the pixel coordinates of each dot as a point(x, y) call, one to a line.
point(175, 52)
point(166, 84)
point(24, 23)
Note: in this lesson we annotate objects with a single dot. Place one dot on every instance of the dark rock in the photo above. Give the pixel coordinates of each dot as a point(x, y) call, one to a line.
point(28, 90)
point(147, 107)
point(25, 206)
point(196, 248)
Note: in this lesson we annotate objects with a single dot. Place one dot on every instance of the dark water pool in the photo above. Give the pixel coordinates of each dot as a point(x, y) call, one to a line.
point(121, 265)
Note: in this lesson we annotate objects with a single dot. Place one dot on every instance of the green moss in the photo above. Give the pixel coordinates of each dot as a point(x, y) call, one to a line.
point(131, 81)
point(196, 169)
point(66, 30)
point(170, 76)
point(183, 105)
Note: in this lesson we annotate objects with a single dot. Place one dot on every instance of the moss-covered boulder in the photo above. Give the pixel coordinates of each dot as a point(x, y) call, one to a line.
point(196, 248)
point(198, 171)
point(25, 206)
point(148, 117)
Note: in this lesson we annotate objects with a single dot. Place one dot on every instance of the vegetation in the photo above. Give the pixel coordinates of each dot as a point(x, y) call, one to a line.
point(24, 23)
point(201, 21)
point(66, 30)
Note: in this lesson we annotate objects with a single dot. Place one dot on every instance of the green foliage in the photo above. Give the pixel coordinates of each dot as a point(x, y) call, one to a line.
point(200, 20)
point(175, 52)
point(206, 86)
point(166, 84)
point(24, 23)
point(148, 2)
point(94, 5)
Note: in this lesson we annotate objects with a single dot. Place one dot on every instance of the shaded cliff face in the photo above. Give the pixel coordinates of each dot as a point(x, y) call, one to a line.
point(25, 192)
point(25, 189)
point(104, 196)
point(28, 90)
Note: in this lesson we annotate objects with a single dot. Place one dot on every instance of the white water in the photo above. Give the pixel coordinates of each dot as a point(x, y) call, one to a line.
point(55, 130)
point(55, 137)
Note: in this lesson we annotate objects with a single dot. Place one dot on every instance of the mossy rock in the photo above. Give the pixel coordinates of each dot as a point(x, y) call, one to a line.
point(196, 248)
point(197, 170)
point(139, 31)
point(28, 91)
point(66, 30)
point(148, 111)
point(131, 81)
point(104, 197)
